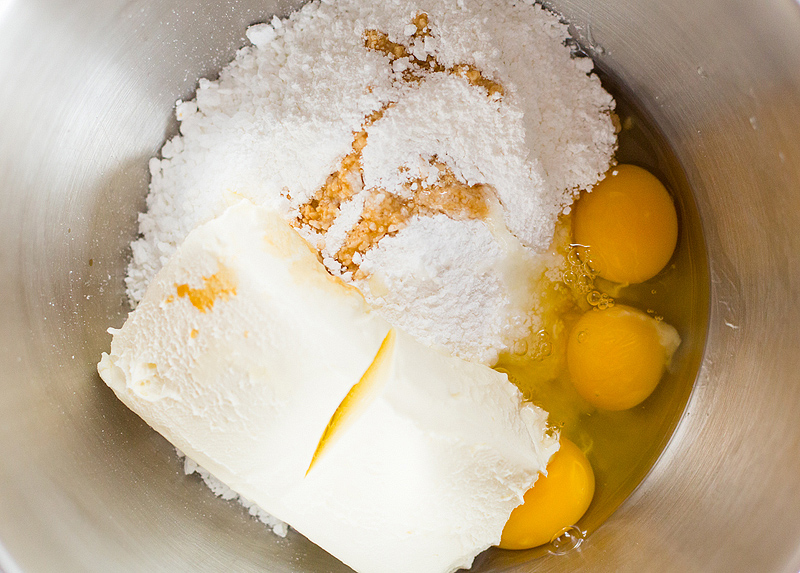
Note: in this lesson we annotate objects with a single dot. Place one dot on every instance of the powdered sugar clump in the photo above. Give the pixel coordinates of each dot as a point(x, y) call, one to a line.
point(219, 489)
point(561, 101)
point(533, 127)
point(492, 312)
point(481, 139)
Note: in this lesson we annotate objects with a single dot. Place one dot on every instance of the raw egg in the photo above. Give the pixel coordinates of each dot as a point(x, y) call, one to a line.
point(617, 356)
point(555, 502)
point(627, 225)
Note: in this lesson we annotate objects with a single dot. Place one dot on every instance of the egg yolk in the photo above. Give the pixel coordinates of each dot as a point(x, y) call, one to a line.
point(555, 502)
point(627, 225)
point(616, 356)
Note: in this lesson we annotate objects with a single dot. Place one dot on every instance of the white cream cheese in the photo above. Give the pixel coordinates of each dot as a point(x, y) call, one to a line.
point(243, 349)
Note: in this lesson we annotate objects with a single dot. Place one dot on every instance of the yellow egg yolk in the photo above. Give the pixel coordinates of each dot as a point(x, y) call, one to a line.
point(617, 356)
point(555, 502)
point(627, 225)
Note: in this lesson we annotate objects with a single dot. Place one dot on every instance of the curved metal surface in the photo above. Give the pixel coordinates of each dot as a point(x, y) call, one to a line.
point(86, 97)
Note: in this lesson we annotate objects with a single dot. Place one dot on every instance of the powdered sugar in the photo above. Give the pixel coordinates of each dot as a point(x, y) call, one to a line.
point(482, 90)
point(562, 106)
point(480, 139)
point(219, 489)
point(485, 314)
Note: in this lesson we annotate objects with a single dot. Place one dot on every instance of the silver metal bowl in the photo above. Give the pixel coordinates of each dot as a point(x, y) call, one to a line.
point(87, 89)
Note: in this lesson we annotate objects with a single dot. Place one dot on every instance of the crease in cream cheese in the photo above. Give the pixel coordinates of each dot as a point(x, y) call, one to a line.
point(422, 478)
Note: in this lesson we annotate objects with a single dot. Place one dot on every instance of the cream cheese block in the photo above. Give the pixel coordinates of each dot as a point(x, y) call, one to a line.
point(279, 379)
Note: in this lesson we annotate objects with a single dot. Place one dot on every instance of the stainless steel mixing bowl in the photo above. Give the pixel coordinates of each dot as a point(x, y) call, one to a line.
point(86, 95)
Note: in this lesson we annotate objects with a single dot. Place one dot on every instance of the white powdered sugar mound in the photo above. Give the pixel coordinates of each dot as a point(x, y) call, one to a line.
point(562, 102)
point(469, 320)
point(481, 139)
point(283, 115)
